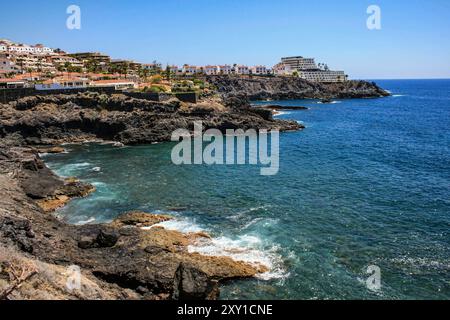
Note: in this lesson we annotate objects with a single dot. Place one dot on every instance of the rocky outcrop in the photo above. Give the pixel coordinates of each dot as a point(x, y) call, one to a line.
point(278, 88)
point(132, 257)
point(129, 258)
point(52, 120)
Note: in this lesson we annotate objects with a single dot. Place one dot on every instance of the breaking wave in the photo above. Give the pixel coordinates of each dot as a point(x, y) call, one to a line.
point(247, 248)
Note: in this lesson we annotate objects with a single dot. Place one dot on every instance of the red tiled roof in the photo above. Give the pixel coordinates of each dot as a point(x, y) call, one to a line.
point(113, 81)
point(11, 80)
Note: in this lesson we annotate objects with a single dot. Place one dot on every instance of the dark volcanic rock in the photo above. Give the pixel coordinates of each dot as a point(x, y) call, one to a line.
point(190, 283)
point(118, 260)
point(278, 88)
point(107, 239)
point(45, 120)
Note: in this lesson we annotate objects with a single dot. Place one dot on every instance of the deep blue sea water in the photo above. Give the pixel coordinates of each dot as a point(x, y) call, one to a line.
point(366, 183)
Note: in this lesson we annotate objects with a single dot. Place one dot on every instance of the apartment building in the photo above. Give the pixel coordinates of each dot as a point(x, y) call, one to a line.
point(155, 67)
point(26, 49)
point(191, 70)
point(62, 60)
point(241, 69)
point(226, 69)
point(173, 69)
point(7, 64)
point(282, 69)
point(259, 70)
point(211, 70)
point(125, 65)
point(91, 56)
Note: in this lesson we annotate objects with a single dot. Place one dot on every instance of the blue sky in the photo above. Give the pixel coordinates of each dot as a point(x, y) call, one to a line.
point(413, 42)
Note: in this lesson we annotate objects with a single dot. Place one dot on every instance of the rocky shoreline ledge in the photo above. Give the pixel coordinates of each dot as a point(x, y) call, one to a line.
point(131, 257)
point(119, 260)
point(285, 88)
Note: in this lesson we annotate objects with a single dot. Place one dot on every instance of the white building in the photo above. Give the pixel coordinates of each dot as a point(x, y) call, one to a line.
point(12, 83)
point(152, 66)
point(282, 69)
point(63, 83)
point(34, 62)
point(119, 84)
point(259, 70)
point(7, 64)
point(173, 69)
point(3, 48)
point(306, 68)
point(26, 49)
point(40, 49)
point(323, 76)
point(62, 60)
point(299, 63)
point(241, 69)
point(191, 70)
point(225, 69)
point(211, 70)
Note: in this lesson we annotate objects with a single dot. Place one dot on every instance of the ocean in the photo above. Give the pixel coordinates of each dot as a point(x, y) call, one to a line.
point(367, 183)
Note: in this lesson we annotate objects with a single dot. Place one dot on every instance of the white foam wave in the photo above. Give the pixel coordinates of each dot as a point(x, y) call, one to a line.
point(246, 248)
point(72, 169)
point(182, 225)
point(98, 184)
point(77, 165)
point(398, 95)
point(82, 222)
point(240, 214)
point(332, 102)
point(281, 113)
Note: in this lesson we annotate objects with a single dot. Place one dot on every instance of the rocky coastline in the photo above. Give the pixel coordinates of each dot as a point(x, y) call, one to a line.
point(285, 88)
point(119, 260)
point(131, 257)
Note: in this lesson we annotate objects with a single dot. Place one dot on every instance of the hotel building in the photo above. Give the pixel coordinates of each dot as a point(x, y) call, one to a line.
point(306, 68)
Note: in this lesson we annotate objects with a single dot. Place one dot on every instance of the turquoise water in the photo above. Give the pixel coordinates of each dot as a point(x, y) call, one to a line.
point(366, 183)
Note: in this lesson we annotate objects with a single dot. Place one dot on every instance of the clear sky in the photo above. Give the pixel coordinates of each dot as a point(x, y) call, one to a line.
point(414, 41)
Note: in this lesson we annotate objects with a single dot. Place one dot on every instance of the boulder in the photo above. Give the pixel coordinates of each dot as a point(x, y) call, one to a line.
point(191, 283)
point(107, 239)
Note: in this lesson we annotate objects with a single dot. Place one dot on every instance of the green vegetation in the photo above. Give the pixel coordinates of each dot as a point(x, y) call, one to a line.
point(154, 89)
point(156, 79)
point(184, 86)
